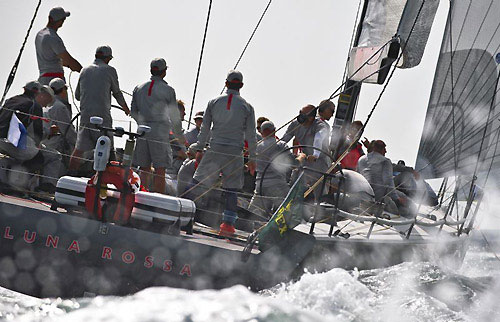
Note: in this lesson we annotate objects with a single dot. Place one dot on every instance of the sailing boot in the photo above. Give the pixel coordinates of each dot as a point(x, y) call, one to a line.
point(227, 227)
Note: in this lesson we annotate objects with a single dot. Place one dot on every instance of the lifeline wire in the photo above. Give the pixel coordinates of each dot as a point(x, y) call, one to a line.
point(13, 71)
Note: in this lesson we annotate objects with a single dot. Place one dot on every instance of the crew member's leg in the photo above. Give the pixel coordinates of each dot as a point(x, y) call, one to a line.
point(232, 181)
point(86, 141)
point(51, 166)
point(160, 155)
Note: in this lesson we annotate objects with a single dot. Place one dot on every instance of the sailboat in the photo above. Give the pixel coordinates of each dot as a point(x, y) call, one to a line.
point(60, 249)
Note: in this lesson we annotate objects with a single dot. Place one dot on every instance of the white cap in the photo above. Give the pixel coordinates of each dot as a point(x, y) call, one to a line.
point(34, 86)
point(57, 84)
point(267, 125)
point(48, 90)
point(234, 76)
point(159, 64)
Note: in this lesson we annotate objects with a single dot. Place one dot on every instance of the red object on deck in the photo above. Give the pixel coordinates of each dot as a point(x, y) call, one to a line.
point(226, 229)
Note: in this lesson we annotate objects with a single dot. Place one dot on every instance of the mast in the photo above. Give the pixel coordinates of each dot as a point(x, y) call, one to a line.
point(348, 99)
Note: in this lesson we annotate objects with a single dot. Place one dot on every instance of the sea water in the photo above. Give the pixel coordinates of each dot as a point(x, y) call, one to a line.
point(405, 292)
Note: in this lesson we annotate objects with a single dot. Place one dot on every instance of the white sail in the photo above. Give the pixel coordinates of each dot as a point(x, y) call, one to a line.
point(382, 21)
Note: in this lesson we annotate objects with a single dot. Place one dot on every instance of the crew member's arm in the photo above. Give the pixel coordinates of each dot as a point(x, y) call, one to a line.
point(77, 90)
point(175, 118)
point(387, 179)
point(37, 124)
point(290, 132)
point(117, 93)
point(319, 138)
point(134, 108)
point(250, 136)
point(69, 61)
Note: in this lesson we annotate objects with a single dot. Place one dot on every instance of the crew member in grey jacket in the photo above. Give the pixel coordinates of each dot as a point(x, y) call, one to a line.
point(51, 54)
point(96, 84)
point(61, 134)
point(154, 104)
point(230, 120)
point(192, 135)
point(271, 188)
point(314, 134)
point(377, 169)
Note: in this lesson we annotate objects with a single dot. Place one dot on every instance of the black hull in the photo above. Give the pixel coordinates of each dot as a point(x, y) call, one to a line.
point(49, 254)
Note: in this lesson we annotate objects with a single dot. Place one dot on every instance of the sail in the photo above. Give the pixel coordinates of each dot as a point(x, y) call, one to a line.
point(463, 103)
point(384, 19)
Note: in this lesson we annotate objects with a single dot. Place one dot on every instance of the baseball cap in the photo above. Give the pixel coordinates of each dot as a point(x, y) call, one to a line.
point(267, 125)
point(234, 76)
point(58, 13)
point(199, 115)
point(159, 64)
point(48, 90)
point(57, 84)
point(104, 51)
point(33, 86)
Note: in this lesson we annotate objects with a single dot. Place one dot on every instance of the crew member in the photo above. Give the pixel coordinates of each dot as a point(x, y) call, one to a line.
point(377, 169)
point(96, 84)
point(230, 120)
point(62, 134)
point(192, 135)
point(313, 133)
point(259, 122)
point(325, 110)
point(350, 161)
point(178, 144)
point(154, 104)
point(27, 108)
point(271, 188)
point(51, 53)
point(186, 173)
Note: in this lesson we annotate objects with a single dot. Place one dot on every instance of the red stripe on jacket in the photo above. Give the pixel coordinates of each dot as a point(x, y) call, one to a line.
point(151, 87)
point(229, 100)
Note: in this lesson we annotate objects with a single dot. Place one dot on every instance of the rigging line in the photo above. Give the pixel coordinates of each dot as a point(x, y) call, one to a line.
point(452, 90)
point(489, 246)
point(461, 118)
point(250, 39)
point(475, 37)
point(13, 71)
point(234, 171)
point(199, 63)
point(334, 94)
point(46, 118)
point(126, 93)
point(234, 159)
point(472, 144)
point(72, 93)
point(480, 58)
point(493, 158)
point(468, 54)
point(467, 57)
point(468, 136)
point(451, 48)
point(471, 90)
point(366, 62)
point(351, 43)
